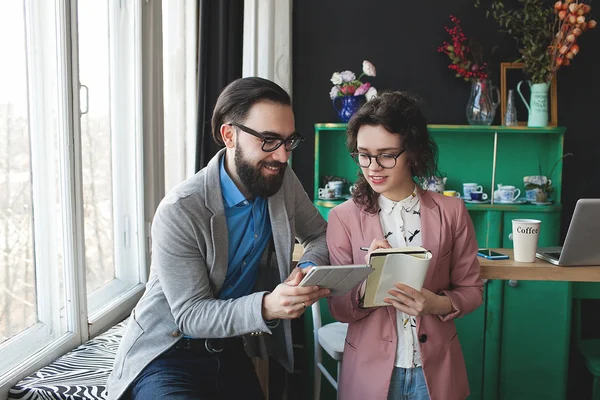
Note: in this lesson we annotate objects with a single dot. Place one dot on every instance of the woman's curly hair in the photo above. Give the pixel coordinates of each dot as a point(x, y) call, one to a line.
point(398, 113)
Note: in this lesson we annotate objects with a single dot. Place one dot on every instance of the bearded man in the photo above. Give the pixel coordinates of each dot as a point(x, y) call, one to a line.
point(221, 286)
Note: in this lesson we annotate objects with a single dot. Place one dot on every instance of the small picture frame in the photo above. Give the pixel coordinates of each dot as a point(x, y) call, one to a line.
point(510, 78)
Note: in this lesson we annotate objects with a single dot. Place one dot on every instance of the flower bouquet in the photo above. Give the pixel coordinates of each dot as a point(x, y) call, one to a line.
point(467, 63)
point(350, 89)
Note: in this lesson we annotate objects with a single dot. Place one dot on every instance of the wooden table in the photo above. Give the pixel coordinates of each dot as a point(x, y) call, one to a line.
point(536, 271)
point(510, 269)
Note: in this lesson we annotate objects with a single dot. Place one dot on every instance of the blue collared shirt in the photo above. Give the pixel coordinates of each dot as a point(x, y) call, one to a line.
point(249, 228)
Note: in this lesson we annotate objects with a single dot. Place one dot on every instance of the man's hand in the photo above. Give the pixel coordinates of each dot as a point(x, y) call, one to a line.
point(288, 300)
point(415, 303)
point(296, 271)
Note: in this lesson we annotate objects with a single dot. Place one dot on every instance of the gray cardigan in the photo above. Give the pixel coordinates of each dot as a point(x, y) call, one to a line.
point(189, 264)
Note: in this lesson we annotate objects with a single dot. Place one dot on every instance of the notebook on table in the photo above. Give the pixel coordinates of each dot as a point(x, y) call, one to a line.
point(581, 246)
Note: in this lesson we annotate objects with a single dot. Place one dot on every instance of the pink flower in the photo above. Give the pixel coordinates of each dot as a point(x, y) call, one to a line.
point(345, 83)
point(368, 68)
point(347, 90)
point(362, 89)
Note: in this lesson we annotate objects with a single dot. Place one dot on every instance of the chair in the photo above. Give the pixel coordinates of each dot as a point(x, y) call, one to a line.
point(329, 337)
point(590, 350)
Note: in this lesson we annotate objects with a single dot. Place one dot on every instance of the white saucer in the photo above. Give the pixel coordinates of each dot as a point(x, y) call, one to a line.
point(541, 203)
point(477, 201)
point(332, 198)
point(512, 202)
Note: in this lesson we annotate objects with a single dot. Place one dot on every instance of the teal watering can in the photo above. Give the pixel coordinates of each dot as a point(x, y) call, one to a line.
point(538, 104)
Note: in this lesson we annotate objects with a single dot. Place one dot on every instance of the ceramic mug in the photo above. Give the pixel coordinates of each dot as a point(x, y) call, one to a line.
point(336, 186)
point(478, 195)
point(326, 193)
point(508, 194)
point(451, 193)
point(531, 194)
point(435, 184)
point(471, 187)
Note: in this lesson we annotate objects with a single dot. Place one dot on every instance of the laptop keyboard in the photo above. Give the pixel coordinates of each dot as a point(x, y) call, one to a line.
point(555, 254)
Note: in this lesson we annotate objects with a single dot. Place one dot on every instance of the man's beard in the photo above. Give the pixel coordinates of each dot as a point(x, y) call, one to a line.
point(253, 179)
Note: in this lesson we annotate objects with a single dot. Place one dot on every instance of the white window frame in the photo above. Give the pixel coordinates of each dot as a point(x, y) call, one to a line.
point(116, 298)
point(43, 75)
point(147, 162)
point(267, 49)
point(180, 24)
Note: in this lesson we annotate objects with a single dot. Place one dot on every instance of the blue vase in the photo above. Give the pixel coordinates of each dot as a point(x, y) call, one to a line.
point(350, 104)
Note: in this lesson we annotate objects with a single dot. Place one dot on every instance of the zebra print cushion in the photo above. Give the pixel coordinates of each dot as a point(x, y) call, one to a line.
point(80, 374)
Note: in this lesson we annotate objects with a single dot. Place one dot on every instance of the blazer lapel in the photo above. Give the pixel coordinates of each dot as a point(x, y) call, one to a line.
point(431, 225)
point(371, 228)
point(218, 222)
point(370, 225)
point(282, 235)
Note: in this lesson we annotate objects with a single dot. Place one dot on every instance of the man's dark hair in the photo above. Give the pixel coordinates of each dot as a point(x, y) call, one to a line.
point(398, 113)
point(236, 100)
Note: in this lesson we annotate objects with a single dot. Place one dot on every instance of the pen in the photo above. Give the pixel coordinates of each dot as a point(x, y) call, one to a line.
point(364, 248)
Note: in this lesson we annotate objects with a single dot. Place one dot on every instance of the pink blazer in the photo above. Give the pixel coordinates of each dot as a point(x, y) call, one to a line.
point(370, 346)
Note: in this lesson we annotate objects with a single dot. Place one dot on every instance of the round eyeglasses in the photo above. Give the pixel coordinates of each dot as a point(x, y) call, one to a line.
point(384, 160)
point(271, 143)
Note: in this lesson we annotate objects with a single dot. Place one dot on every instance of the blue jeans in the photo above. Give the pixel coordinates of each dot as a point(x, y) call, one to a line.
point(183, 375)
point(408, 384)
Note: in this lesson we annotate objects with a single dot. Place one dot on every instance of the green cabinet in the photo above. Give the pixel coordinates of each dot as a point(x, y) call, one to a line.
point(516, 344)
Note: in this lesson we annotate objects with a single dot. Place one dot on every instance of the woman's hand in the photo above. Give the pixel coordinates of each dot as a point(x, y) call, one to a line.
point(412, 302)
point(377, 244)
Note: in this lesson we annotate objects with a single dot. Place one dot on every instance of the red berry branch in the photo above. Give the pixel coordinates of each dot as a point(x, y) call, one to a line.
point(464, 62)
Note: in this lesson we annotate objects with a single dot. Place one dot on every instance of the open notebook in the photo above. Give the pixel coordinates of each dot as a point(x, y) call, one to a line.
point(406, 265)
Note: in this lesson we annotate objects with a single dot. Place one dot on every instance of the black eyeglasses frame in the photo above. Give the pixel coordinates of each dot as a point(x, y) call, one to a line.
point(355, 155)
point(294, 140)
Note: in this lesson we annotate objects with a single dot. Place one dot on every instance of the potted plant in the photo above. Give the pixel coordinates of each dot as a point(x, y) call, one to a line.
point(540, 186)
point(546, 35)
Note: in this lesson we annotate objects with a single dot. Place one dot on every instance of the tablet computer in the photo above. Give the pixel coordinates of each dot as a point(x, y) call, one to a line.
point(340, 279)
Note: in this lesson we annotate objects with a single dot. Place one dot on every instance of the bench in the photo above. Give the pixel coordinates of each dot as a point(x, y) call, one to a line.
point(81, 374)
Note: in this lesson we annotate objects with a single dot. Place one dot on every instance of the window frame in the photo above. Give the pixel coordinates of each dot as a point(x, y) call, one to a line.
point(147, 162)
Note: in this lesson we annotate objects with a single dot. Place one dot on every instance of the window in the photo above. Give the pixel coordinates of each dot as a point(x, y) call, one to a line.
point(179, 22)
point(80, 171)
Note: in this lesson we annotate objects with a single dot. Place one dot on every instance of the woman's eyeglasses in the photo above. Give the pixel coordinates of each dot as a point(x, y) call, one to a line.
point(384, 160)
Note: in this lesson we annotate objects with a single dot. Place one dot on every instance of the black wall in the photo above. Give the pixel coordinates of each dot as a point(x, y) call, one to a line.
point(401, 39)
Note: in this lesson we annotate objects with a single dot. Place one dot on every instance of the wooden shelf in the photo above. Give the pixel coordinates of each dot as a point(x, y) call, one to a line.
point(557, 130)
point(471, 207)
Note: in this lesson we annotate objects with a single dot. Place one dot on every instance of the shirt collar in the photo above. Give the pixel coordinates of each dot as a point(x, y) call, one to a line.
point(231, 193)
point(388, 205)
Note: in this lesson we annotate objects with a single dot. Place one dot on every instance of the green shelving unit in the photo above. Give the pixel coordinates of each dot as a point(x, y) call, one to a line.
point(516, 344)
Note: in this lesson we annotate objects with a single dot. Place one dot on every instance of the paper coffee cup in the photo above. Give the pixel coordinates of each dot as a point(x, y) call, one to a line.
point(525, 235)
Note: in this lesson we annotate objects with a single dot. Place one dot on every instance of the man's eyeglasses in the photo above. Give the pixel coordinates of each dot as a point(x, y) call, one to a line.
point(272, 143)
point(384, 160)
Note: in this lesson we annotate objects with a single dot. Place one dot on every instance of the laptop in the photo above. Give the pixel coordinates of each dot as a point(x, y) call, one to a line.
point(581, 246)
